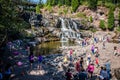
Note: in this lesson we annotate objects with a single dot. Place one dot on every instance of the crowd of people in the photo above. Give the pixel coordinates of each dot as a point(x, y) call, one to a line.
point(84, 68)
point(86, 71)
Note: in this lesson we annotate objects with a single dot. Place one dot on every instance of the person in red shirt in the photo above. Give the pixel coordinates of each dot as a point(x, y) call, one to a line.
point(77, 66)
point(97, 62)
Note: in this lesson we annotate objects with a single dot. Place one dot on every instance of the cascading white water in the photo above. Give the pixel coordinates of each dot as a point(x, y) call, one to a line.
point(68, 31)
point(75, 26)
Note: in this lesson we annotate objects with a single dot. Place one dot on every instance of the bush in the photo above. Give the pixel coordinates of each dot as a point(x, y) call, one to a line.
point(81, 15)
point(37, 9)
point(91, 19)
point(102, 25)
point(111, 19)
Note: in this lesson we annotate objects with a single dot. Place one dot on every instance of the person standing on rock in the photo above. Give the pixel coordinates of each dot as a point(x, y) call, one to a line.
point(71, 52)
point(92, 49)
point(81, 62)
point(115, 50)
point(97, 62)
point(68, 75)
point(103, 74)
point(88, 59)
point(83, 74)
point(31, 60)
point(77, 66)
point(103, 44)
point(40, 59)
point(90, 69)
point(108, 69)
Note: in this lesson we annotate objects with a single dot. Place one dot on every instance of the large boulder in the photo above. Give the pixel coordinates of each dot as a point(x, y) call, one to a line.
point(117, 73)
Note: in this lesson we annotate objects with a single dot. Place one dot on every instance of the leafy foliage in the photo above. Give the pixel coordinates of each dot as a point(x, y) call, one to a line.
point(10, 21)
point(67, 2)
point(119, 18)
point(102, 25)
point(75, 5)
point(111, 19)
point(37, 9)
point(91, 19)
point(93, 4)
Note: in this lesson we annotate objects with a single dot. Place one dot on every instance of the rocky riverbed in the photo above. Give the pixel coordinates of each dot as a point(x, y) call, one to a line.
point(53, 66)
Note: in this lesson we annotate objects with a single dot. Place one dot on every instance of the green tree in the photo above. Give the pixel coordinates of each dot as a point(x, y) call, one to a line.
point(54, 2)
point(111, 19)
point(37, 9)
point(10, 23)
point(103, 2)
point(93, 4)
point(68, 2)
point(75, 5)
point(40, 3)
point(102, 25)
point(119, 19)
point(49, 2)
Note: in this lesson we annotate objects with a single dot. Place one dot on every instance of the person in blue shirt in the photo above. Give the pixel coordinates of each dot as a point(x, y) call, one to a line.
point(83, 74)
point(108, 68)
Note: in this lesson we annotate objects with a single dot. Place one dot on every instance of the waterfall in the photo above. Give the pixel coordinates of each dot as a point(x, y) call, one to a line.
point(75, 26)
point(69, 31)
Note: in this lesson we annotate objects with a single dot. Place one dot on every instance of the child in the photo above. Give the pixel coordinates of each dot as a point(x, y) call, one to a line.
point(88, 58)
point(97, 62)
point(65, 59)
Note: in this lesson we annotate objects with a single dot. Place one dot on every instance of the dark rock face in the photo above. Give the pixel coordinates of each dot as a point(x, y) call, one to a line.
point(117, 73)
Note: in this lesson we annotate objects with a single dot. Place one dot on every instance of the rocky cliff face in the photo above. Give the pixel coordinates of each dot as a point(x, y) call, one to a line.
point(83, 14)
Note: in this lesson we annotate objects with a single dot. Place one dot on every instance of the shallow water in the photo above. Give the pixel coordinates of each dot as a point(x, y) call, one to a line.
point(50, 47)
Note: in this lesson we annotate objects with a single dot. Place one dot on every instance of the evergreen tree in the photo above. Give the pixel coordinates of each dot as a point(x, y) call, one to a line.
point(67, 2)
point(37, 9)
point(11, 22)
point(119, 19)
point(93, 4)
point(111, 19)
point(80, 1)
point(49, 2)
point(102, 25)
point(54, 2)
point(40, 3)
point(103, 2)
point(75, 5)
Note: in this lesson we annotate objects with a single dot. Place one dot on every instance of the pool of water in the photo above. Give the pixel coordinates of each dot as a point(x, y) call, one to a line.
point(50, 47)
